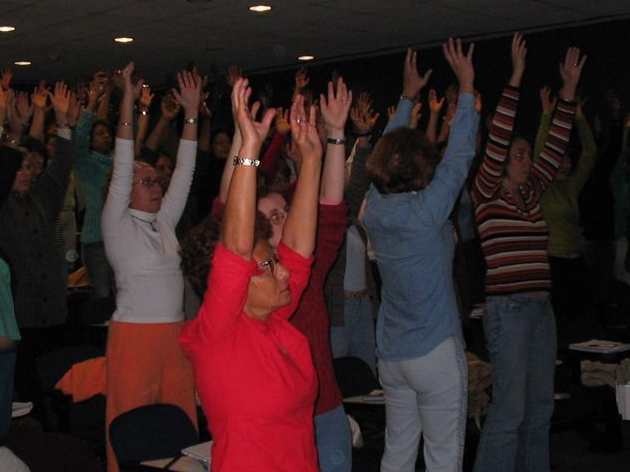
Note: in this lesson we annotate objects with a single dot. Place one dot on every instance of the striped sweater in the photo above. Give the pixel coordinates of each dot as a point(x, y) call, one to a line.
point(514, 242)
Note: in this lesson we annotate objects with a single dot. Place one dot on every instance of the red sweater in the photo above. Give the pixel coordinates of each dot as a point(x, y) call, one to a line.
point(514, 242)
point(255, 378)
point(311, 317)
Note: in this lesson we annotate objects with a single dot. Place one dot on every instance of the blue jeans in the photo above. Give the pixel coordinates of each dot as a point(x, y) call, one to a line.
point(356, 336)
point(7, 372)
point(426, 395)
point(334, 441)
point(521, 339)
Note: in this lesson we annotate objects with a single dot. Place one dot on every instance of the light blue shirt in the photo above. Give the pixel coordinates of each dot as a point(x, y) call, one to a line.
point(93, 169)
point(414, 244)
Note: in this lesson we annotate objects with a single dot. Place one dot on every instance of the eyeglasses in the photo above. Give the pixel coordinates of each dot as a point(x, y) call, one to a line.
point(277, 217)
point(269, 266)
point(149, 182)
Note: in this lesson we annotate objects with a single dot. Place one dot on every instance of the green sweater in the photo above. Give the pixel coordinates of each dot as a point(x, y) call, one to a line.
point(559, 203)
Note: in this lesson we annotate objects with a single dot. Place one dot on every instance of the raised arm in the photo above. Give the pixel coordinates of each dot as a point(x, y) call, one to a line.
point(189, 96)
point(334, 107)
point(490, 174)
point(237, 232)
point(545, 166)
point(300, 227)
point(51, 188)
point(435, 107)
point(118, 194)
point(237, 140)
point(586, 163)
point(144, 102)
point(39, 98)
point(169, 109)
point(548, 105)
point(413, 82)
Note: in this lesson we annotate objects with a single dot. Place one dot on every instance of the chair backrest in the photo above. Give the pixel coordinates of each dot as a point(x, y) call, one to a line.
point(354, 376)
point(151, 432)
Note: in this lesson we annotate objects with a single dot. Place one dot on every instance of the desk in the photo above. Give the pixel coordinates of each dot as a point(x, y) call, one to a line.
point(375, 397)
point(183, 464)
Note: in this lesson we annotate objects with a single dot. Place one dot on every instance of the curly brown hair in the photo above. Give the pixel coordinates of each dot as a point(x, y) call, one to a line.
point(403, 161)
point(197, 248)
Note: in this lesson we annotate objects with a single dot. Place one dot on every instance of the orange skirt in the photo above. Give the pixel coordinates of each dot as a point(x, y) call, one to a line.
point(146, 365)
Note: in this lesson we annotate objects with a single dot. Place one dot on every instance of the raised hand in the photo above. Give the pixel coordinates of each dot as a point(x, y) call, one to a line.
point(304, 131)
point(23, 107)
point(435, 105)
point(7, 75)
point(478, 102)
point(131, 91)
point(145, 98)
point(413, 82)
point(301, 79)
point(189, 94)
point(391, 111)
point(61, 102)
point(282, 120)
point(518, 54)
point(415, 115)
point(13, 117)
point(570, 72)
point(362, 116)
point(461, 64)
point(234, 73)
point(335, 107)
point(253, 132)
point(39, 97)
point(548, 104)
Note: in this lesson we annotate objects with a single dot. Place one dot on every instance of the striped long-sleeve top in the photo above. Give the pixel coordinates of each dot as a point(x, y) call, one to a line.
point(514, 241)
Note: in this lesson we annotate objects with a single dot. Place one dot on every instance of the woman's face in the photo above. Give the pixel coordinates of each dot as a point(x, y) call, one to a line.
point(146, 190)
point(22, 182)
point(269, 289)
point(101, 139)
point(36, 163)
point(276, 209)
point(221, 145)
point(520, 163)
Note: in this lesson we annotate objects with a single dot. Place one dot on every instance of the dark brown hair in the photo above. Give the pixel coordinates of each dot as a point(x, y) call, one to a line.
point(403, 161)
point(197, 248)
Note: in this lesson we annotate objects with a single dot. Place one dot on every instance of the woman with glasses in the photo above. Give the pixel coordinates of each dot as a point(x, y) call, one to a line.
point(145, 363)
point(253, 369)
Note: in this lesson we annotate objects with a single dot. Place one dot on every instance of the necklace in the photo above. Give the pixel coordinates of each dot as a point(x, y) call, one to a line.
point(151, 223)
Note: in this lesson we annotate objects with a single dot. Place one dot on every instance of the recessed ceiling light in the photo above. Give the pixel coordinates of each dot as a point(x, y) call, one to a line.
point(7, 29)
point(260, 8)
point(22, 63)
point(306, 57)
point(123, 39)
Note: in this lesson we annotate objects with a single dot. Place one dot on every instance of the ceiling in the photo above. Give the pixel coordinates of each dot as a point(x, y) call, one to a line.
point(73, 38)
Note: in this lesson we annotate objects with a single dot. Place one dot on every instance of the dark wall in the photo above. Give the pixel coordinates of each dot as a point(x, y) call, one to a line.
point(606, 44)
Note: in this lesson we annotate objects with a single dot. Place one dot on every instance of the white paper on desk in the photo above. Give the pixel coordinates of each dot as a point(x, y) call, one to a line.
point(201, 452)
point(21, 409)
point(600, 346)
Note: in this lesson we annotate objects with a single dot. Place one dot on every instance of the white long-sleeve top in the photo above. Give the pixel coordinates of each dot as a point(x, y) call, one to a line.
point(141, 247)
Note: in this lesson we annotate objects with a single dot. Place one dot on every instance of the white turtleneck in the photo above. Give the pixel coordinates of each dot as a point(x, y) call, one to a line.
point(142, 247)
